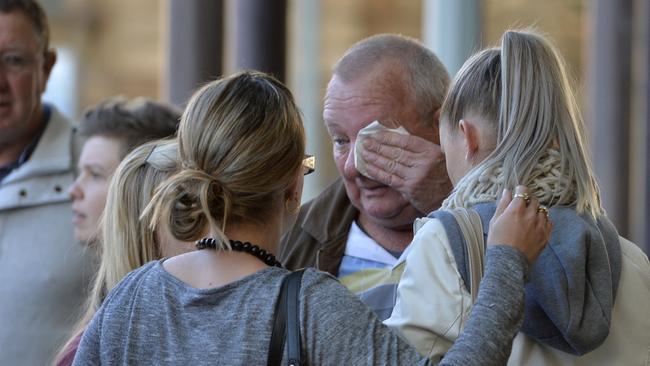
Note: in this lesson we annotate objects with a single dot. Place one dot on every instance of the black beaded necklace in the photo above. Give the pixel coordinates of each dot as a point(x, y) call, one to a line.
point(246, 247)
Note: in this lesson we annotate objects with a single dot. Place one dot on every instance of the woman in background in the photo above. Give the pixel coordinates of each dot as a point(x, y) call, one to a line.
point(128, 242)
point(111, 130)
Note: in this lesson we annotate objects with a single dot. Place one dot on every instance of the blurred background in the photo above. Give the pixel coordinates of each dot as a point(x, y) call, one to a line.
point(164, 49)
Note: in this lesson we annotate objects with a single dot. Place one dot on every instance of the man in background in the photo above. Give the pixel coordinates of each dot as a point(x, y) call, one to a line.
point(44, 272)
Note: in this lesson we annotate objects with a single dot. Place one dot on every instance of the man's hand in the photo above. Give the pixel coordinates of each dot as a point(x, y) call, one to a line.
point(411, 165)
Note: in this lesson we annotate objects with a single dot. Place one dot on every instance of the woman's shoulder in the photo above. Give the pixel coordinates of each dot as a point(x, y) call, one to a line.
point(318, 285)
point(313, 277)
point(144, 271)
point(324, 300)
point(134, 279)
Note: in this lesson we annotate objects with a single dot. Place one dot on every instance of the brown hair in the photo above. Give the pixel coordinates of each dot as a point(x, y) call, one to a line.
point(133, 122)
point(241, 142)
point(35, 13)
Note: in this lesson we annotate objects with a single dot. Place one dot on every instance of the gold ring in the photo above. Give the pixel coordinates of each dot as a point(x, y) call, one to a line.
point(390, 166)
point(543, 209)
point(524, 196)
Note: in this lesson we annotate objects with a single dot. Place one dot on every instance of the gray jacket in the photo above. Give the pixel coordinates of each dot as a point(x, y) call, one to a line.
point(573, 283)
point(43, 271)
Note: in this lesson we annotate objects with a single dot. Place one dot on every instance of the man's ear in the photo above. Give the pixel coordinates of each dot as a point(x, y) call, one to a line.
point(48, 64)
point(436, 117)
point(436, 126)
point(468, 130)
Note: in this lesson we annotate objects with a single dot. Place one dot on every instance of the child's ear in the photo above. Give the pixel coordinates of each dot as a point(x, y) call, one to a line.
point(470, 136)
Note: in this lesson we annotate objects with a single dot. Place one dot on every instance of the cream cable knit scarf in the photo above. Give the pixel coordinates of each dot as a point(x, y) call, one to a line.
point(546, 182)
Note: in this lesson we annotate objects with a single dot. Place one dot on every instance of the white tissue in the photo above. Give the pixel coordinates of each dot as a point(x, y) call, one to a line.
point(375, 126)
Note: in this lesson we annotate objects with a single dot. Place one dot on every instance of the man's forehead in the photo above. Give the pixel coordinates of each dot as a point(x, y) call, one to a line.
point(360, 96)
point(365, 85)
point(18, 30)
point(357, 113)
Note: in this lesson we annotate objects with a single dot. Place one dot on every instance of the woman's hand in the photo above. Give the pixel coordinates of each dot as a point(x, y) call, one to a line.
point(520, 222)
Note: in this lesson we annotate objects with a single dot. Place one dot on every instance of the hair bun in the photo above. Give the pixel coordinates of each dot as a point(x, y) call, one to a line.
point(241, 143)
point(196, 174)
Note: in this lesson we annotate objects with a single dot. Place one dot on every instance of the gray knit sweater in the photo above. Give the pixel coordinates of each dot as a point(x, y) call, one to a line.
point(152, 318)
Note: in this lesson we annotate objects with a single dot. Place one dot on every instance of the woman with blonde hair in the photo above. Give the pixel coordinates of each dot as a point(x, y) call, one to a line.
point(510, 118)
point(128, 241)
point(241, 145)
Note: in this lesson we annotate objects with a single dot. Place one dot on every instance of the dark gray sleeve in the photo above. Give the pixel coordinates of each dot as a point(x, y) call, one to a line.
point(88, 352)
point(337, 328)
point(90, 346)
point(497, 314)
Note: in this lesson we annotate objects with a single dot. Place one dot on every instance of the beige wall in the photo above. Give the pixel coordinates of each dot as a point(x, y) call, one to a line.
point(564, 21)
point(117, 43)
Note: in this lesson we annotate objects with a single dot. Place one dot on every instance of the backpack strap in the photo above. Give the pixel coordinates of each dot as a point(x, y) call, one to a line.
point(471, 226)
point(286, 324)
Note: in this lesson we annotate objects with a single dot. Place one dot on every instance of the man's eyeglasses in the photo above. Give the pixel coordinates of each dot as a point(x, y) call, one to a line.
point(309, 164)
point(15, 62)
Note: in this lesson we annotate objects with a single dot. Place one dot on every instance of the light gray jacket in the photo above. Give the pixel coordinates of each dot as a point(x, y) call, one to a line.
point(43, 271)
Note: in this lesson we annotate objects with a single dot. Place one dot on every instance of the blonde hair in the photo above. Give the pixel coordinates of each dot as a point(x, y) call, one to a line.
point(241, 144)
point(523, 89)
point(127, 241)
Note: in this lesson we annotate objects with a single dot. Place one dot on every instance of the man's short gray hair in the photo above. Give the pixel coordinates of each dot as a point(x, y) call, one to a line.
point(427, 78)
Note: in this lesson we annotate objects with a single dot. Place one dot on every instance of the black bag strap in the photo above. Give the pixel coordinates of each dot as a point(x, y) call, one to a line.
point(286, 325)
point(293, 318)
point(276, 346)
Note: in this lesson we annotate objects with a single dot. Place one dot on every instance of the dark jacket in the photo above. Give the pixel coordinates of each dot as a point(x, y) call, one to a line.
point(318, 237)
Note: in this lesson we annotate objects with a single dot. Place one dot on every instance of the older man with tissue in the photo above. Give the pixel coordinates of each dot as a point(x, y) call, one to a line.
point(381, 111)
